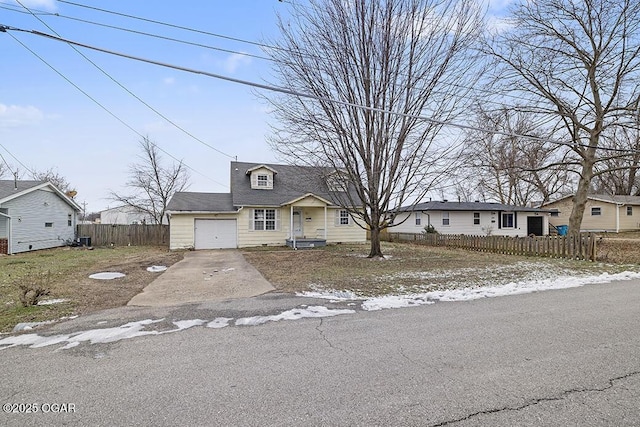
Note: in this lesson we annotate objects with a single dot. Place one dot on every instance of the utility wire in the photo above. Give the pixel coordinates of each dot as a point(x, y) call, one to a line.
point(241, 40)
point(291, 92)
point(129, 92)
point(2, 29)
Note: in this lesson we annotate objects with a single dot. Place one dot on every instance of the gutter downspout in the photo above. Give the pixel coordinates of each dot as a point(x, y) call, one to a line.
point(9, 232)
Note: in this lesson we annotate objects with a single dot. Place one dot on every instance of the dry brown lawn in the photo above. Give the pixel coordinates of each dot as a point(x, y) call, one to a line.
point(407, 268)
point(69, 270)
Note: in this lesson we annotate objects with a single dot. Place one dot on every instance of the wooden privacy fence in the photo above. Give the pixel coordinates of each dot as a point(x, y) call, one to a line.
point(124, 235)
point(576, 247)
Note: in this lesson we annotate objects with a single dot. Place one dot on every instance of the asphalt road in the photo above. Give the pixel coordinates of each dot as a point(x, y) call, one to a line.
point(567, 357)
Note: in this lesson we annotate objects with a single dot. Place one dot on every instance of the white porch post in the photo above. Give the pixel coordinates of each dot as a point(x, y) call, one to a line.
point(618, 217)
point(325, 222)
point(292, 233)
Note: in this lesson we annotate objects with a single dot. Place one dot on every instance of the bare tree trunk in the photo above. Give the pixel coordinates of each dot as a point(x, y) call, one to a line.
point(376, 249)
point(580, 198)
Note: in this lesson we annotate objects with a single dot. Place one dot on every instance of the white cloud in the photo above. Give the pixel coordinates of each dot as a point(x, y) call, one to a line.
point(16, 115)
point(49, 5)
point(233, 62)
point(169, 80)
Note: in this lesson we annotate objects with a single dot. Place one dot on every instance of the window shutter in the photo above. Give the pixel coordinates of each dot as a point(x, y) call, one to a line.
point(336, 217)
point(252, 215)
point(515, 220)
point(278, 219)
point(499, 220)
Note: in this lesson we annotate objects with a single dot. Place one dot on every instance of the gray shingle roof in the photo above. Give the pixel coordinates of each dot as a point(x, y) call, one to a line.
point(468, 206)
point(8, 187)
point(627, 200)
point(289, 183)
point(201, 202)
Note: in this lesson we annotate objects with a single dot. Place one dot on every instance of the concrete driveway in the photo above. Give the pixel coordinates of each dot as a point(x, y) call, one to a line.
point(204, 276)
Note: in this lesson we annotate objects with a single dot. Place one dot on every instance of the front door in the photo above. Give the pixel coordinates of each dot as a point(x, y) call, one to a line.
point(534, 225)
point(297, 223)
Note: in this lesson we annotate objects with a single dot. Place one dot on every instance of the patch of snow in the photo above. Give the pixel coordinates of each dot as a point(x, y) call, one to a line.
point(51, 301)
point(470, 293)
point(106, 276)
point(219, 322)
point(332, 295)
point(294, 314)
point(225, 270)
point(26, 326)
point(186, 324)
point(156, 268)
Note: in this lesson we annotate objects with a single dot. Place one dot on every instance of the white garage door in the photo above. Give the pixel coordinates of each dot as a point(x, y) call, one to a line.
point(216, 234)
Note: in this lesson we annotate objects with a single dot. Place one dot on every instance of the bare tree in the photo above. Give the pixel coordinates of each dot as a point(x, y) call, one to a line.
point(374, 67)
point(54, 177)
point(618, 173)
point(579, 64)
point(512, 169)
point(152, 184)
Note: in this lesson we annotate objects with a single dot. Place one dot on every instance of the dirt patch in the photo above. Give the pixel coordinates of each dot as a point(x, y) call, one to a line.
point(69, 270)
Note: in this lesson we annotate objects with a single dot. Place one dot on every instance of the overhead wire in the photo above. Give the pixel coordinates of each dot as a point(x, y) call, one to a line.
point(232, 38)
point(112, 114)
point(286, 91)
point(131, 93)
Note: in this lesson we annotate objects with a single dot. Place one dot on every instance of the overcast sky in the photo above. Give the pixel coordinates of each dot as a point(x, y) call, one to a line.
point(45, 122)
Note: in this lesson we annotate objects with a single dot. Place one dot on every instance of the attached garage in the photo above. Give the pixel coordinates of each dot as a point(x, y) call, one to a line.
point(215, 234)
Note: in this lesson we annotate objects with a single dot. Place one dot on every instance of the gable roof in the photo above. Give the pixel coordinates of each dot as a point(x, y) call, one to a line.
point(290, 183)
point(200, 202)
point(468, 206)
point(607, 198)
point(11, 189)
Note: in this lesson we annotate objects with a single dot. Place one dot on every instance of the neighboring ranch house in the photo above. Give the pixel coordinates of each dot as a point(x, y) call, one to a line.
point(602, 212)
point(269, 205)
point(472, 218)
point(35, 215)
point(125, 215)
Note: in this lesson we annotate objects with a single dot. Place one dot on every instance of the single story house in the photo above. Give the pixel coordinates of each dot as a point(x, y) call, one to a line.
point(472, 218)
point(602, 212)
point(268, 205)
point(125, 215)
point(35, 215)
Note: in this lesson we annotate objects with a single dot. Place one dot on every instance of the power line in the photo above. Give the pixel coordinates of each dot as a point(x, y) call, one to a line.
point(230, 51)
point(3, 29)
point(129, 92)
point(306, 95)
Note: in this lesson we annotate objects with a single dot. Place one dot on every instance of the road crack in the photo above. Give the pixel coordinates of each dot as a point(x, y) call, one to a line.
point(533, 402)
point(324, 337)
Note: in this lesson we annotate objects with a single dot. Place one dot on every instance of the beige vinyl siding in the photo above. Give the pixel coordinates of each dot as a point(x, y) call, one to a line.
point(248, 237)
point(606, 221)
point(630, 222)
point(352, 233)
point(183, 228)
point(564, 207)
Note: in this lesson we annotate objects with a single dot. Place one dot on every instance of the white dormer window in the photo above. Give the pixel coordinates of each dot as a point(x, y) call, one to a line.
point(263, 180)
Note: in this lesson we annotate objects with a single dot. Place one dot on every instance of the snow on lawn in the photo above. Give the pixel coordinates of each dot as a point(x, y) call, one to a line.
point(471, 293)
point(107, 275)
point(137, 329)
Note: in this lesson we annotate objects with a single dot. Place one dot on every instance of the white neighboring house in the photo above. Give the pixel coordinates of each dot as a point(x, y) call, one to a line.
point(35, 215)
point(472, 218)
point(125, 215)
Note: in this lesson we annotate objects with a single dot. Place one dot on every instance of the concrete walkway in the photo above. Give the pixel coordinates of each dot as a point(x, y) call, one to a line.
point(204, 276)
